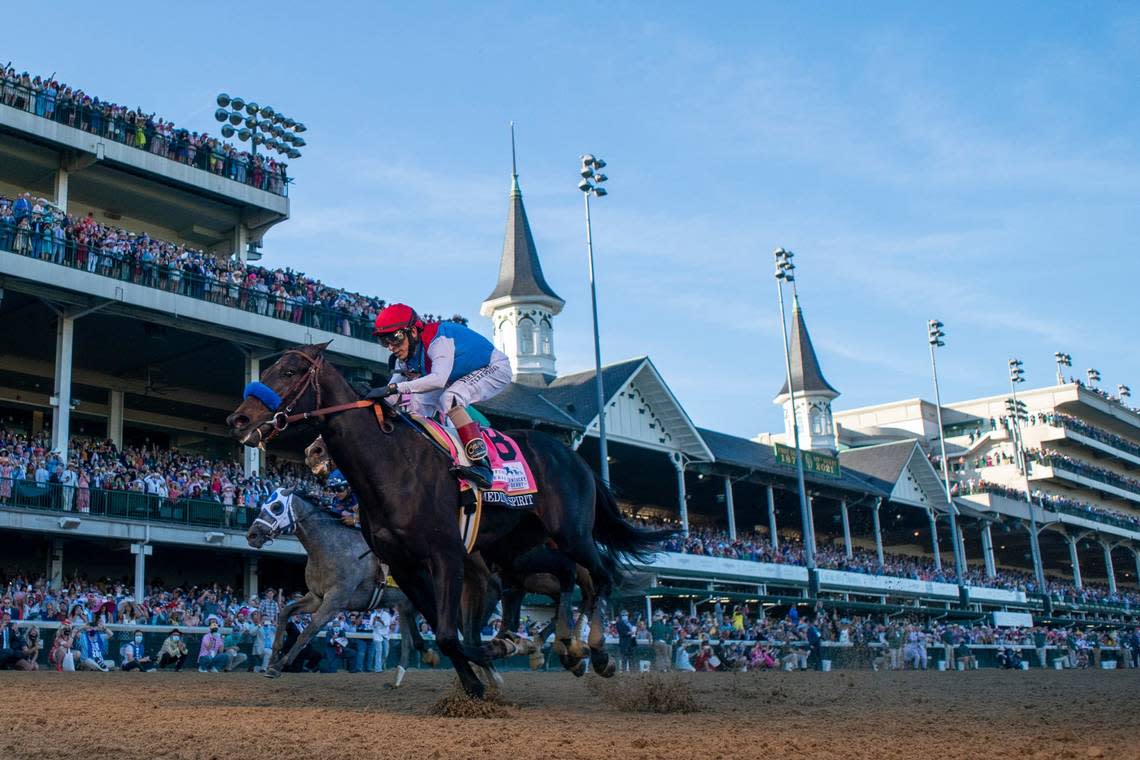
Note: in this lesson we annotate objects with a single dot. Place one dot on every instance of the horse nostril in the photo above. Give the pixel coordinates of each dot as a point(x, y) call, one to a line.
point(238, 421)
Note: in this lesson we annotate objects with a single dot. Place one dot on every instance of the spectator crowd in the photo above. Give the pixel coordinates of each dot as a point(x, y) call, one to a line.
point(36, 228)
point(48, 98)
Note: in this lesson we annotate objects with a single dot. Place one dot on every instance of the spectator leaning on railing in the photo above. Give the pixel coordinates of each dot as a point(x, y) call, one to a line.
point(50, 99)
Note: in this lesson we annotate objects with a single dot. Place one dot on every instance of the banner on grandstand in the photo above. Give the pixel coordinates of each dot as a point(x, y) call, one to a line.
point(821, 464)
point(1013, 620)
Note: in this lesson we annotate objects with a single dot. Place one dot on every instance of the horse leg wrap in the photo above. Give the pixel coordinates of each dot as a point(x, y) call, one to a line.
point(537, 660)
point(430, 657)
point(578, 649)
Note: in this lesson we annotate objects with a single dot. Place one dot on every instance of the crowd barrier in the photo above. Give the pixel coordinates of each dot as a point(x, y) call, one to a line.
point(839, 655)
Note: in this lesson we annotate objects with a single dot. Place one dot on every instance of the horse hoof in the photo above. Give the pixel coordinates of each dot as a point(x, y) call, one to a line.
point(605, 667)
point(578, 669)
point(475, 690)
point(537, 661)
point(578, 649)
point(272, 673)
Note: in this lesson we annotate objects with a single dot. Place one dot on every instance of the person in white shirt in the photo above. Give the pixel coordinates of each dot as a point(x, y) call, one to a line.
point(380, 621)
point(68, 480)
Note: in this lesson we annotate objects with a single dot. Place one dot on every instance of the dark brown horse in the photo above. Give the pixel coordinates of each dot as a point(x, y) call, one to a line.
point(409, 504)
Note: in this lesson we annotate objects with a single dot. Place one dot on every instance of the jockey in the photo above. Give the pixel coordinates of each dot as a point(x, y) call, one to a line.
point(447, 357)
point(344, 504)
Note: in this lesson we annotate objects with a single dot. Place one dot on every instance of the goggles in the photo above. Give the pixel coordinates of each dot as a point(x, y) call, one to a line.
point(392, 338)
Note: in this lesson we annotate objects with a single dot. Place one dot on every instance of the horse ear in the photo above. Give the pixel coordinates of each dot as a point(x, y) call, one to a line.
point(321, 347)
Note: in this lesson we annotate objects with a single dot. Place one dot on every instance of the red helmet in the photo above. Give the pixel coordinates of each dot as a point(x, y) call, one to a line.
point(398, 316)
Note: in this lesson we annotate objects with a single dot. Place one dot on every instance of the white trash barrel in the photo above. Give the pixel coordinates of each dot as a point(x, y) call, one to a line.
point(942, 665)
point(961, 666)
point(1058, 664)
point(825, 666)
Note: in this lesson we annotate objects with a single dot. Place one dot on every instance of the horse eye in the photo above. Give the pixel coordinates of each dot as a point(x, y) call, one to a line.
point(289, 373)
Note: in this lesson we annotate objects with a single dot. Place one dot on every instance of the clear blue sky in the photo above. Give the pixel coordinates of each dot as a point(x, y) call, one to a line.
point(972, 162)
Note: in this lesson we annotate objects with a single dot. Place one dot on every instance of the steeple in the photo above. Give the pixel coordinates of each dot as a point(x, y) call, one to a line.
point(806, 374)
point(522, 304)
point(813, 393)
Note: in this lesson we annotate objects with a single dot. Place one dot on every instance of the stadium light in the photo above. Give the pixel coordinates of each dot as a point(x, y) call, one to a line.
point(1093, 375)
point(934, 336)
point(1063, 360)
point(784, 269)
point(1123, 391)
point(1017, 408)
point(273, 130)
point(592, 179)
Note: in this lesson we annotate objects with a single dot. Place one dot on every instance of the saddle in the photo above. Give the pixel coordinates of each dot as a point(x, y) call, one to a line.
point(513, 484)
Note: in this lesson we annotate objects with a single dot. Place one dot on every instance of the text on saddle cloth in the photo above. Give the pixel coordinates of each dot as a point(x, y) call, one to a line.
point(513, 483)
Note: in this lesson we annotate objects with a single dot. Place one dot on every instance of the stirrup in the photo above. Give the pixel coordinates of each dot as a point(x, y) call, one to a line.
point(478, 473)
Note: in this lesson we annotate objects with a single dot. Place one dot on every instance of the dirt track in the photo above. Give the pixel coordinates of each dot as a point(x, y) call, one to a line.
point(989, 713)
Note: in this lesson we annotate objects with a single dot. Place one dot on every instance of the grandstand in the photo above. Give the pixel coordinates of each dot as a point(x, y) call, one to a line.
point(132, 312)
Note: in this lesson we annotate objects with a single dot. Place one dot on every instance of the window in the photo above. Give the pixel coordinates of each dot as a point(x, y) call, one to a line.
point(526, 336)
point(546, 338)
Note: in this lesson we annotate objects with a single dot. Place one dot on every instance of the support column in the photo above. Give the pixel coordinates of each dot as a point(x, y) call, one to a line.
point(809, 529)
point(846, 529)
point(61, 419)
point(934, 539)
point(988, 550)
point(250, 576)
point(773, 536)
point(115, 420)
point(61, 181)
point(1075, 561)
point(962, 544)
point(241, 242)
point(1136, 557)
point(682, 496)
point(729, 508)
point(648, 611)
point(1108, 566)
point(251, 457)
point(1035, 552)
point(140, 551)
point(878, 532)
point(55, 564)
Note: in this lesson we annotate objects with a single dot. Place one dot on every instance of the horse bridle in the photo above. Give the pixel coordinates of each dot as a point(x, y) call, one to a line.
point(279, 526)
point(283, 416)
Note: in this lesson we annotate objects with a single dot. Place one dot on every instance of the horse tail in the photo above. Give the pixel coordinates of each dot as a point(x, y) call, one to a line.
point(621, 542)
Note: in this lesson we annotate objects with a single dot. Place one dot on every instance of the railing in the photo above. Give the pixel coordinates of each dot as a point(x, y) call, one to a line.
point(1066, 506)
point(123, 505)
point(1097, 434)
point(1093, 473)
point(37, 243)
point(216, 157)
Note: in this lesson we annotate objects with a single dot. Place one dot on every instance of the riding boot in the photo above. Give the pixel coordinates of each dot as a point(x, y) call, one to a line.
point(479, 471)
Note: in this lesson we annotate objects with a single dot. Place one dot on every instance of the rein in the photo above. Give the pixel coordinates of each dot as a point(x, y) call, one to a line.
point(283, 417)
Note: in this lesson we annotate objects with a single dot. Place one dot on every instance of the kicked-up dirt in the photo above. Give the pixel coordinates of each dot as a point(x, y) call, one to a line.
point(849, 715)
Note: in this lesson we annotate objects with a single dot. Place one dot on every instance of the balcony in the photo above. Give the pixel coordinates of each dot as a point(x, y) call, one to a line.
point(135, 142)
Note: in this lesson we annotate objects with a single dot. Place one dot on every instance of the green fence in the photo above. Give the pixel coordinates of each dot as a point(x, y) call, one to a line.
point(122, 505)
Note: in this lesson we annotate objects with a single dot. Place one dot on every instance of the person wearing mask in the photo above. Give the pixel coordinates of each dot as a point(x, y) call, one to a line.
point(339, 650)
point(93, 647)
point(174, 651)
point(11, 642)
point(231, 642)
point(211, 658)
point(30, 653)
point(627, 642)
point(135, 656)
point(64, 656)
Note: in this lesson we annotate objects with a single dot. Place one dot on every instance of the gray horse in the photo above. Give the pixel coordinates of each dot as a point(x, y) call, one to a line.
point(341, 574)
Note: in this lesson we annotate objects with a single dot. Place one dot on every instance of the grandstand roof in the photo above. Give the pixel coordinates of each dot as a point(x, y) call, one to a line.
point(887, 464)
point(742, 452)
point(806, 374)
point(520, 273)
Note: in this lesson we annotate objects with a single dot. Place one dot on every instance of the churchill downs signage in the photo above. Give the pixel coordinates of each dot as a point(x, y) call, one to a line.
point(820, 464)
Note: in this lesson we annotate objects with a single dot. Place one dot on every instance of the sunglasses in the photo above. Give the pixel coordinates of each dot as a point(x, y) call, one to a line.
point(392, 338)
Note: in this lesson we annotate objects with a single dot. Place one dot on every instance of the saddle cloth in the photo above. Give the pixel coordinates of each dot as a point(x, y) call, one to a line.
point(513, 484)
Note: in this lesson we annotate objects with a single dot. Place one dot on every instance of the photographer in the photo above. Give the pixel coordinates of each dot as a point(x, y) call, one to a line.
point(339, 650)
point(63, 655)
point(93, 646)
point(134, 656)
point(174, 650)
point(31, 651)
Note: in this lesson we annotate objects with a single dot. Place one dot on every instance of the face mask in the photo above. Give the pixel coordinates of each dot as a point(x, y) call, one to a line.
point(213, 630)
point(175, 637)
point(138, 639)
